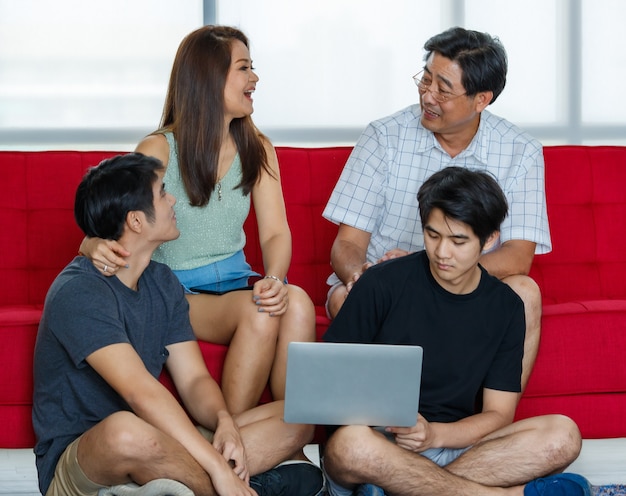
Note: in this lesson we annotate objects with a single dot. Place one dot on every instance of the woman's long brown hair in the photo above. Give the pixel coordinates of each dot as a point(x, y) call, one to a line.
point(194, 112)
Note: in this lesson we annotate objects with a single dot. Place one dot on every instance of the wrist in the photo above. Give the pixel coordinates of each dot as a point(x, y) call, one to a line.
point(223, 416)
point(274, 278)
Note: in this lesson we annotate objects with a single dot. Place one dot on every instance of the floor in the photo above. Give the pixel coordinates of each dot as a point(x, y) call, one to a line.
point(602, 461)
point(18, 476)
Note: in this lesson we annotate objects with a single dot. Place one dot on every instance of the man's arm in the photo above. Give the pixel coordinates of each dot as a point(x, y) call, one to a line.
point(513, 257)
point(122, 368)
point(498, 412)
point(348, 253)
point(205, 402)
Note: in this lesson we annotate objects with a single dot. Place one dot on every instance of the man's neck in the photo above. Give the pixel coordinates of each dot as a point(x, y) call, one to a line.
point(456, 141)
point(138, 261)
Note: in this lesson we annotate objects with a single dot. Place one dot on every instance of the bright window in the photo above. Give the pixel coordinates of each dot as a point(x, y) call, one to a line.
point(75, 70)
point(76, 73)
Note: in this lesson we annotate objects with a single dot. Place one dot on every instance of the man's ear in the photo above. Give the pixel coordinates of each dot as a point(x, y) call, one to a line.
point(492, 240)
point(134, 221)
point(482, 99)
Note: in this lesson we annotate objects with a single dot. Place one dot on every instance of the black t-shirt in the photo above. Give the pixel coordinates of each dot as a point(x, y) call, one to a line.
point(470, 341)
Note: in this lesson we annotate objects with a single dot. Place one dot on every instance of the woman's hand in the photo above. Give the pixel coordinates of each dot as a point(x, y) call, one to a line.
point(106, 255)
point(271, 296)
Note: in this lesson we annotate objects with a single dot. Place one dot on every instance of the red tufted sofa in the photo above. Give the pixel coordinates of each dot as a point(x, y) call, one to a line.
point(579, 370)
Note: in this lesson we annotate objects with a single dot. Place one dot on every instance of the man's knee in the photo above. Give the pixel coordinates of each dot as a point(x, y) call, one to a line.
point(345, 447)
point(527, 289)
point(562, 438)
point(128, 436)
point(336, 297)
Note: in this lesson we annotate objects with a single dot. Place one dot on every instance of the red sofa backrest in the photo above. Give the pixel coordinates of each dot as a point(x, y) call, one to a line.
point(39, 235)
point(585, 190)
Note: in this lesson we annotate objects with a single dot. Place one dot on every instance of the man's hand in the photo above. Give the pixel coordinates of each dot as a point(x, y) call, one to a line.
point(356, 275)
point(418, 438)
point(226, 483)
point(227, 441)
point(395, 253)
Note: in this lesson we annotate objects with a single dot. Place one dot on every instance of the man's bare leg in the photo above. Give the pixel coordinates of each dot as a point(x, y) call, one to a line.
point(522, 452)
point(123, 448)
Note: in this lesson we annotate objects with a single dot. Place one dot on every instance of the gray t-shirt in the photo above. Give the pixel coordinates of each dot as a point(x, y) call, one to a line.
point(84, 312)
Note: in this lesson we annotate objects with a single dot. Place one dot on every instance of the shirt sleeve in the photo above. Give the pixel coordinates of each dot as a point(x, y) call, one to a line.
point(358, 197)
point(84, 317)
point(525, 191)
point(506, 369)
point(362, 314)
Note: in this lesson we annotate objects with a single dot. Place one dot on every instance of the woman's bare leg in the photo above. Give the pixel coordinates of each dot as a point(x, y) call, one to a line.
point(298, 324)
point(257, 341)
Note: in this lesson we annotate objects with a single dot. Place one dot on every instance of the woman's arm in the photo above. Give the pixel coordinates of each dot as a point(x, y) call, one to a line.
point(274, 232)
point(274, 237)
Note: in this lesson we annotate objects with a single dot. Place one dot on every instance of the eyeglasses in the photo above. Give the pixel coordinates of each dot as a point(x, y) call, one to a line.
point(424, 82)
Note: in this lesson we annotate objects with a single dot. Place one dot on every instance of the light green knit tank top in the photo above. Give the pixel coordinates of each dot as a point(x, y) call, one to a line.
point(207, 234)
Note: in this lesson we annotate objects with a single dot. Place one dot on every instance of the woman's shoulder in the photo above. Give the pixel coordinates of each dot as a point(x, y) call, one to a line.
point(155, 145)
point(267, 144)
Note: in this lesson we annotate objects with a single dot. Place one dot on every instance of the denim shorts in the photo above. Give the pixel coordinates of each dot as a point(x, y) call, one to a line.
point(231, 273)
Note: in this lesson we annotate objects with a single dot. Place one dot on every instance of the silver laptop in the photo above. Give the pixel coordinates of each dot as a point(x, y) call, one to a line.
point(348, 384)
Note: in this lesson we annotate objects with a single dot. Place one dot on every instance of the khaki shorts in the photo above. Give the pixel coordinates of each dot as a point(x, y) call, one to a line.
point(69, 479)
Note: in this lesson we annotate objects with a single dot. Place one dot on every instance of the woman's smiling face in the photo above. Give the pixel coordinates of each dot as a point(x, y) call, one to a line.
point(240, 83)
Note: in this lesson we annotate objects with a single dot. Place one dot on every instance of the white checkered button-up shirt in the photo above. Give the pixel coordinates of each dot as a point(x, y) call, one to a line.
point(377, 190)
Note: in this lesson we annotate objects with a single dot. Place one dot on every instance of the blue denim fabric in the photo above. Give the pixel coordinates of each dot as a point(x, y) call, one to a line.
point(230, 273)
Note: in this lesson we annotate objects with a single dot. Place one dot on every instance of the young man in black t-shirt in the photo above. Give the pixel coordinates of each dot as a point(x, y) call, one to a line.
point(471, 327)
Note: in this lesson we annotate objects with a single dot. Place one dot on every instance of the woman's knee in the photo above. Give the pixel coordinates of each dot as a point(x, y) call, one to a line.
point(299, 320)
point(300, 301)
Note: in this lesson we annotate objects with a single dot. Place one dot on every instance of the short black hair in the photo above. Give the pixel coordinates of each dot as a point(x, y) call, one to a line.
point(113, 188)
point(481, 56)
point(469, 196)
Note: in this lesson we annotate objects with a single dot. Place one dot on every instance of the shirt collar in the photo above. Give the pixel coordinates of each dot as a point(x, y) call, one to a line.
point(478, 147)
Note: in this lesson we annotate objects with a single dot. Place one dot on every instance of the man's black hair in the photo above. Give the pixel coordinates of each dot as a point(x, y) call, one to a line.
point(113, 188)
point(481, 57)
point(469, 196)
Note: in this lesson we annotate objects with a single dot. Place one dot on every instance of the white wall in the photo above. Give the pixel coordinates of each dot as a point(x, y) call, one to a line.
point(93, 74)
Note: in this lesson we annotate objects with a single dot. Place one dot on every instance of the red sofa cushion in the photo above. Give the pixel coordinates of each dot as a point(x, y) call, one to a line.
point(587, 212)
point(578, 370)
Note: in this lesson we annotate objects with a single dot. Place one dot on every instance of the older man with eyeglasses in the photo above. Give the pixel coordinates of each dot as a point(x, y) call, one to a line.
point(375, 200)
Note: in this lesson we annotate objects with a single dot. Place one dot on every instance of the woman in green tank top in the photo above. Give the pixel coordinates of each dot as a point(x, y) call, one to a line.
point(215, 158)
